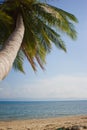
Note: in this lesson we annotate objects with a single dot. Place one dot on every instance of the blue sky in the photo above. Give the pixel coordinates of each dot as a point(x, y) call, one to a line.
point(66, 73)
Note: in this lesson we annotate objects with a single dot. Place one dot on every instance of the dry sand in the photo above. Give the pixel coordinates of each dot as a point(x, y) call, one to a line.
point(45, 124)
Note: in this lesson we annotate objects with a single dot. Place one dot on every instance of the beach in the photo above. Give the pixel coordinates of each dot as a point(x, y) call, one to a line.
point(77, 122)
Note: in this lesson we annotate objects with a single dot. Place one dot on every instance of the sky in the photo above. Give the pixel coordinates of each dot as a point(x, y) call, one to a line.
point(65, 77)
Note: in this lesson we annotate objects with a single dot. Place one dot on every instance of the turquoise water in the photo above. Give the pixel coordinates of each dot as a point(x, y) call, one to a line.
point(41, 109)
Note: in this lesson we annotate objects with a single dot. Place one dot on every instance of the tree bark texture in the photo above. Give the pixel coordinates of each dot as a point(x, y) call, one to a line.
point(11, 48)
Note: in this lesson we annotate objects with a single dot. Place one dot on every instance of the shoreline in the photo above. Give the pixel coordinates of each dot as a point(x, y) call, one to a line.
point(42, 118)
point(45, 124)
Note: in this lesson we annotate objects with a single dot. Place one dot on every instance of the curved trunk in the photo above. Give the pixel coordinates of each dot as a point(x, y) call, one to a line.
point(12, 46)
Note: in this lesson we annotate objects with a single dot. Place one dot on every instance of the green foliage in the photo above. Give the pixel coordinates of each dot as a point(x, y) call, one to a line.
point(43, 23)
point(57, 18)
point(18, 63)
point(5, 23)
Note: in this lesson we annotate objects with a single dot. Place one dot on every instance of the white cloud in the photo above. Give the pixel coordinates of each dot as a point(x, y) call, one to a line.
point(59, 87)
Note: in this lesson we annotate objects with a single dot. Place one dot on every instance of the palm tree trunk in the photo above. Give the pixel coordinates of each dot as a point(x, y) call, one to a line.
point(12, 46)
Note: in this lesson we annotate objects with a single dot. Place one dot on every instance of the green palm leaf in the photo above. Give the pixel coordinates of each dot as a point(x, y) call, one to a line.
point(56, 17)
point(18, 63)
point(5, 24)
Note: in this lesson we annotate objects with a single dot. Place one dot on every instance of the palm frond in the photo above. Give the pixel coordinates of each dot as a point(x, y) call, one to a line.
point(5, 26)
point(53, 36)
point(4, 18)
point(30, 58)
point(56, 18)
point(18, 63)
point(33, 40)
point(43, 33)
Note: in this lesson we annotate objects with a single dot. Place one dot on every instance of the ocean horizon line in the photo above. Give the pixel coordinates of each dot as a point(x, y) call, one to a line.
point(52, 100)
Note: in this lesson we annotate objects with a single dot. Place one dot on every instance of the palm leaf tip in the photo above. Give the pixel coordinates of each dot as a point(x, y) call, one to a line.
point(40, 62)
point(68, 15)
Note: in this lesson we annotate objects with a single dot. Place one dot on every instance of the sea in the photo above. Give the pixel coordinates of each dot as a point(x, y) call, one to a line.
point(16, 110)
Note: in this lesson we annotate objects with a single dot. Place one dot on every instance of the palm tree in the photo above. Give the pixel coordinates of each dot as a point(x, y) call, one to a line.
point(28, 28)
